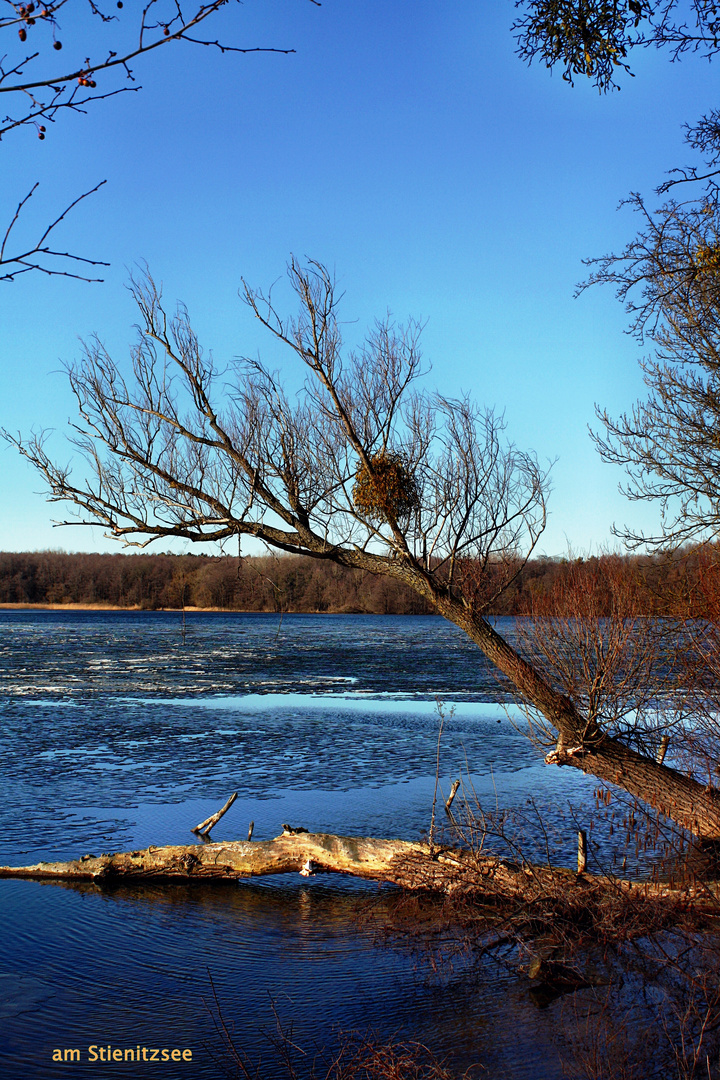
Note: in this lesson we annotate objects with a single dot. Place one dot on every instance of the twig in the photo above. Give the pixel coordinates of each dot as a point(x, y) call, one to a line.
point(451, 796)
point(28, 260)
point(211, 822)
point(437, 772)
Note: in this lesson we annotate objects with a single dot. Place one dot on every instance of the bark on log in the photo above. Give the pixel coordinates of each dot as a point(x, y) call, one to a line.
point(363, 857)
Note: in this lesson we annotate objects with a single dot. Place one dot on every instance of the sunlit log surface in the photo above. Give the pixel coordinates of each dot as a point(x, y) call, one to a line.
point(409, 865)
point(362, 857)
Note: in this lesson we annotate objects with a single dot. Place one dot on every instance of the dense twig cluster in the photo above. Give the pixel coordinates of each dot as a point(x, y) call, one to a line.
point(385, 488)
point(593, 38)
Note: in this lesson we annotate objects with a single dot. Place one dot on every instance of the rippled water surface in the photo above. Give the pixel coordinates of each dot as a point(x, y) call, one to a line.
point(118, 732)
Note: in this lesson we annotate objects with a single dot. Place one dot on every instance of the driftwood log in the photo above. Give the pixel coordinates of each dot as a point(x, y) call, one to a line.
point(380, 860)
point(400, 862)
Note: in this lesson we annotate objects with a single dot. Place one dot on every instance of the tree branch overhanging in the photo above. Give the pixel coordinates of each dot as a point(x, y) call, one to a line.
point(15, 261)
point(160, 24)
point(594, 38)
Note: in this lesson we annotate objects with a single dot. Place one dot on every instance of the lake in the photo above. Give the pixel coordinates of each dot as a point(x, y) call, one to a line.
point(124, 729)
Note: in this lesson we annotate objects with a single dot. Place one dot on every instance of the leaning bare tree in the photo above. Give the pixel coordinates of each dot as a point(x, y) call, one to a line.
point(360, 467)
point(39, 83)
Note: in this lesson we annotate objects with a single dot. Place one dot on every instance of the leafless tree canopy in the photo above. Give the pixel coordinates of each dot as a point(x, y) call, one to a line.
point(668, 275)
point(185, 450)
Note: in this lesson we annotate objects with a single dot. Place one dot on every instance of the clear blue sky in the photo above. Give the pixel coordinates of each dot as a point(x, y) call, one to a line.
point(403, 144)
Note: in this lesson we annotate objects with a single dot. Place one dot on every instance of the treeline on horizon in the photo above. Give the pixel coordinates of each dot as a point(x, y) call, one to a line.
point(660, 584)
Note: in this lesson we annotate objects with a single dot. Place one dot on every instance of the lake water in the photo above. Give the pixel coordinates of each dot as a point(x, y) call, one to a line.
point(118, 731)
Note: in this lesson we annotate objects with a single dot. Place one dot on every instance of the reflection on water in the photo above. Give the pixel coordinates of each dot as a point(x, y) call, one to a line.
point(131, 967)
point(114, 735)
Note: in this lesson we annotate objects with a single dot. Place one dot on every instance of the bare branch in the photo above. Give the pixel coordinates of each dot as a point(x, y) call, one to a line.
point(16, 262)
point(170, 25)
point(36, 98)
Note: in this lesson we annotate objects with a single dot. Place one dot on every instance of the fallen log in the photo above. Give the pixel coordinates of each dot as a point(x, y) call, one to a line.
point(399, 862)
point(411, 865)
point(291, 852)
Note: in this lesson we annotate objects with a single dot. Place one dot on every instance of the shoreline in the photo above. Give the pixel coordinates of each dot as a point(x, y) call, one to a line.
point(203, 610)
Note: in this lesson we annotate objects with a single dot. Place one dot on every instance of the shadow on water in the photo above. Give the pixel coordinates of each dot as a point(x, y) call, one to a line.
point(127, 967)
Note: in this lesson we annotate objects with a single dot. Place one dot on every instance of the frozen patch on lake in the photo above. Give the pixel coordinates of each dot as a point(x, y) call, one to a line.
point(355, 701)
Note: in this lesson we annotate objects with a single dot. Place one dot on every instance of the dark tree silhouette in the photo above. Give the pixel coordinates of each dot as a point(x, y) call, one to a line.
point(594, 38)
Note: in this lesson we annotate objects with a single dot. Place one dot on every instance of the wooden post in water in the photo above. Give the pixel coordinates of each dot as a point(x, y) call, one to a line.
point(582, 851)
point(451, 796)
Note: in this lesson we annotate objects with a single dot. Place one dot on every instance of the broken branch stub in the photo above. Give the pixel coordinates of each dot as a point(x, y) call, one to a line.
point(451, 796)
point(209, 823)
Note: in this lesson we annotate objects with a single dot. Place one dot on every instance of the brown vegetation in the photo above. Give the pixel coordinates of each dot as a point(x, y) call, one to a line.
point(385, 489)
point(224, 582)
point(680, 585)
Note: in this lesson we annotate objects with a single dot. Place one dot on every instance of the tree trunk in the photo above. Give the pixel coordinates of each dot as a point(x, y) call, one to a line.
point(693, 806)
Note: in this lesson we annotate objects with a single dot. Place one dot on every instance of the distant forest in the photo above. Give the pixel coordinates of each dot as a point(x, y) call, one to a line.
point(665, 584)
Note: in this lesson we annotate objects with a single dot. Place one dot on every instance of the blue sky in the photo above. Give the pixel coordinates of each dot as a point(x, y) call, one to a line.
point(403, 144)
